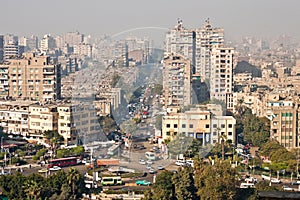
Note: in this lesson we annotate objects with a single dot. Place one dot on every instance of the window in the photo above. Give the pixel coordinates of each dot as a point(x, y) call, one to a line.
point(168, 133)
point(207, 126)
point(175, 125)
point(168, 125)
point(215, 125)
point(229, 125)
point(229, 133)
point(191, 126)
point(222, 125)
point(183, 126)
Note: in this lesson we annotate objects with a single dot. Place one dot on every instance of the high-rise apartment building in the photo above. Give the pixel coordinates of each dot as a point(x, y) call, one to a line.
point(207, 38)
point(31, 77)
point(11, 50)
point(181, 41)
point(177, 80)
point(47, 43)
point(1, 48)
point(195, 44)
point(73, 38)
point(221, 79)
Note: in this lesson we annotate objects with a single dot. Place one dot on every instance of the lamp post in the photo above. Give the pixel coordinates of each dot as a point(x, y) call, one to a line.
point(2, 144)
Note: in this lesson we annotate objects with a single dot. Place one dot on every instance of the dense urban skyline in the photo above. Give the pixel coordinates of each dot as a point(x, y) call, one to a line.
point(238, 18)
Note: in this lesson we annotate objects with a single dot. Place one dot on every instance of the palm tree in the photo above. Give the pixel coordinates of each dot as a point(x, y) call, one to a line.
point(223, 138)
point(72, 177)
point(32, 189)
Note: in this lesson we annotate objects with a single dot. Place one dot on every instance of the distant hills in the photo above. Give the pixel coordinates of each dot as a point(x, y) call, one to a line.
point(244, 66)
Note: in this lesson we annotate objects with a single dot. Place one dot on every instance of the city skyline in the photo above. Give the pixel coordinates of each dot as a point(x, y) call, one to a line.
point(252, 18)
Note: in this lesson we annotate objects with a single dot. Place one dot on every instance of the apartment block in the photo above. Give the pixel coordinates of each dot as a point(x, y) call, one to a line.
point(42, 118)
point(176, 80)
point(31, 77)
point(14, 117)
point(221, 78)
point(199, 123)
point(1, 49)
point(284, 116)
point(78, 122)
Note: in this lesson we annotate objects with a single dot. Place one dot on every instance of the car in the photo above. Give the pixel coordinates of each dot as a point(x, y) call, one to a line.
point(190, 163)
point(148, 167)
point(143, 182)
point(55, 168)
point(149, 162)
point(251, 180)
point(142, 162)
point(160, 167)
point(287, 188)
point(43, 170)
point(152, 171)
point(294, 183)
point(275, 180)
point(180, 163)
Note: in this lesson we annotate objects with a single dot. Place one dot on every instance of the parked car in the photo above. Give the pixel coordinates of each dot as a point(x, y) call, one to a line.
point(143, 182)
point(142, 162)
point(180, 163)
point(55, 168)
point(149, 162)
point(160, 167)
point(251, 179)
point(275, 180)
point(43, 170)
point(287, 188)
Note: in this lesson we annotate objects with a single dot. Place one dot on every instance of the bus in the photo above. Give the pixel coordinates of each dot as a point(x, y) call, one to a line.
point(114, 180)
point(113, 149)
point(150, 155)
point(62, 162)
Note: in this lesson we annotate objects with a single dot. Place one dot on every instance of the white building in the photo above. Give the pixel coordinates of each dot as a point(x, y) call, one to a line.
point(221, 80)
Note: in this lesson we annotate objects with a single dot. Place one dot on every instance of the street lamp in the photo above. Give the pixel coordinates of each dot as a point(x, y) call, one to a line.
point(2, 144)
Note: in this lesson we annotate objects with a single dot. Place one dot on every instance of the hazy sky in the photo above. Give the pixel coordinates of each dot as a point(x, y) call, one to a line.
point(238, 17)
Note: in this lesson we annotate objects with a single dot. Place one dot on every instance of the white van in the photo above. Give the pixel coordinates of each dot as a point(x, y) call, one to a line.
point(247, 185)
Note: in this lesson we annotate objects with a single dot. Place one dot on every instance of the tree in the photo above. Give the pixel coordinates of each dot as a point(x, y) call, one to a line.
point(163, 187)
point(158, 122)
point(184, 184)
point(215, 182)
point(32, 189)
point(76, 181)
point(73, 176)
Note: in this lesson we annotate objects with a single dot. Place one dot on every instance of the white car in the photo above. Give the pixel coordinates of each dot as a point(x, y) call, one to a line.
point(251, 180)
point(275, 180)
point(180, 163)
point(286, 188)
point(148, 167)
point(142, 162)
point(149, 162)
point(55, 168)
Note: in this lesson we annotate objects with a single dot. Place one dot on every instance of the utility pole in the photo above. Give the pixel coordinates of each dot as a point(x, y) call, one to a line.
point(297, 174)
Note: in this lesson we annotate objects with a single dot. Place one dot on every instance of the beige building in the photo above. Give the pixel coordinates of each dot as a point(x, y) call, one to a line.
point(176, 80)
point(42, 118)
point(221, 78)
point(284, 122)
point(198, 123)
point(78, 121)
point(14, 117)
point(31, 77)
